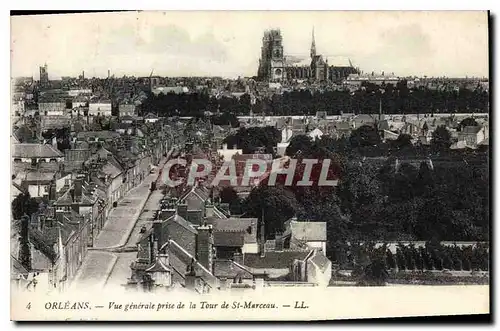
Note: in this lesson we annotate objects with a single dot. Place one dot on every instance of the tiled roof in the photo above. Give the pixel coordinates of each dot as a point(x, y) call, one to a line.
point(181, 221)
point(170, 89)
point(111, 169)
point(228, 239)
point(66, 199)
point(195, 216)
point(35, 150)
point(309, 231)
point(36, 176)
point(321, 261)
point(56, 122)
point(471, 129)
point(274, 260)
point(150, 116)
point(248, 226)
point(158, 266)
point(180, 259)
point(17, 267)
point(230, 269)
point(98, 134)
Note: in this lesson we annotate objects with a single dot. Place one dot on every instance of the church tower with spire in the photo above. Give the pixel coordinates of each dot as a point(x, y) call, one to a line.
point(313, 45)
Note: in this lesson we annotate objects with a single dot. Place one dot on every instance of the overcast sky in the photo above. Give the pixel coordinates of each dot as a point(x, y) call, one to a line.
point(228, 43)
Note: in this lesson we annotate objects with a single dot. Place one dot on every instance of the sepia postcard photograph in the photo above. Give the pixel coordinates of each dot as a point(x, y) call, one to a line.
point(249, 165)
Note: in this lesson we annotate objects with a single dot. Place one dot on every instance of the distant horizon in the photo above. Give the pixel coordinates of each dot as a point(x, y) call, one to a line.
point(227, 44)
point(59, 78)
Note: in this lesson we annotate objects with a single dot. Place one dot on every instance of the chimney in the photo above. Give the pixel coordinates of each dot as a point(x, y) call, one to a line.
point(190, 281)
point(204, 244)
point(59, 216)
point(278, 242)
point(209, 209)
point(238, 258)
point(166, 213)
point(158, 235)
point(224, 146)
point(78, 190)
point(262, 236)
point(52, 192)
point(182, 210)
point(72, 194)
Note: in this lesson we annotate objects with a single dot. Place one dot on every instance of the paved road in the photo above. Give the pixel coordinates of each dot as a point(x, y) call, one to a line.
point(102, 266)
point(122, 218)
point(121, 269)
point(94, 270)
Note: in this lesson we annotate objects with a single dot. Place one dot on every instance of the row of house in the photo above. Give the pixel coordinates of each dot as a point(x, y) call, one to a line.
point(195, 243)
point(75, 190)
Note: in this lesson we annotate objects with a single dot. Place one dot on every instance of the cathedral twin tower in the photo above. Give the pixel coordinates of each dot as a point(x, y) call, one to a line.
point(274, 67)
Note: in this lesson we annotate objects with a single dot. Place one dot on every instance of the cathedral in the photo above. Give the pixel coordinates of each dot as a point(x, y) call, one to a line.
point(275, 66)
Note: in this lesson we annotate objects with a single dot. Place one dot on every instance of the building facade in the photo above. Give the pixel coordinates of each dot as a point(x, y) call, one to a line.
point(44, 76)
point(272, 61)
point(274, 66)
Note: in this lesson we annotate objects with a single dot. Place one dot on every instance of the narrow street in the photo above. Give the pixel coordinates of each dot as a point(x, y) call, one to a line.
point(121, 270)
point(103, 265)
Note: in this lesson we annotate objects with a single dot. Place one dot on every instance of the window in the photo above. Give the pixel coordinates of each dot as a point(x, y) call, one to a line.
point(17, 160)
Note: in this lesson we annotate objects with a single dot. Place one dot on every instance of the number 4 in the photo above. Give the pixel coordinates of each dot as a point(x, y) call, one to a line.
point(28, 306)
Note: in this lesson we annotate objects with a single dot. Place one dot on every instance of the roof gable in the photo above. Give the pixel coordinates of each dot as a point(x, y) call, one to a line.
point(35, 150)
point(308, 231)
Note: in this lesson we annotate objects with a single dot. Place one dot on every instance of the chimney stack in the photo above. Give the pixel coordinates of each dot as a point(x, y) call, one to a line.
point(238, 258)
point(190, 281)
point(158, 235)
point(262, 236)
point(78, 190)
point(204, 245)
point(278, 242)
point(209, 209)
point(52, 192)
point(182, 210)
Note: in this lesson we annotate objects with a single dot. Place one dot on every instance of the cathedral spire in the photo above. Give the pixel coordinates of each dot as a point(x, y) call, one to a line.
point(313, 45)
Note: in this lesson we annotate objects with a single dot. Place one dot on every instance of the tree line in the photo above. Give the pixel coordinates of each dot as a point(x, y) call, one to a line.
point(369, 99)
point(412, 193)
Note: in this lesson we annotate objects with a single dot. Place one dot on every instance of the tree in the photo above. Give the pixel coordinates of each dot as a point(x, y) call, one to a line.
point(400, 259)
point(249, 140)
point(23, 204)
point(228, 195)
point(365, 135)
point(391, 263)
point(404, 140)
point(469, 121)
point(277, 204)
point(441, 138)
point(375, 274)
point(300, 143)
point(226, 119)
point(419, 262)
point(447, 261)
point(25, 251)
